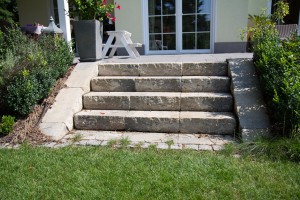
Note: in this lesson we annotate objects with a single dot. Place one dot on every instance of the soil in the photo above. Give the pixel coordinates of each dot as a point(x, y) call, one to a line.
point(27, 129)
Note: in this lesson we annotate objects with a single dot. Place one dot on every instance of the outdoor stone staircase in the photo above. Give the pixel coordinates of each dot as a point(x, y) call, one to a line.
point(159, 97)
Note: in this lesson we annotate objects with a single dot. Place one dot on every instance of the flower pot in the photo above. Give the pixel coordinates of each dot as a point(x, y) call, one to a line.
point(88, 39)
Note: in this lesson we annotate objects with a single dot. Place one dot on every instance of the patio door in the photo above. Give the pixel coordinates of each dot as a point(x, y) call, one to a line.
point(179, 26)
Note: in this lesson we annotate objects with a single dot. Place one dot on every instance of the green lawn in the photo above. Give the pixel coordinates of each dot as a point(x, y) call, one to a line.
point(105, 173)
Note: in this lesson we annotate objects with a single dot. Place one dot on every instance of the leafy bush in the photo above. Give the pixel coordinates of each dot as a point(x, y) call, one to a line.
point(278, 66)
point(29, 68)
point(6, 124)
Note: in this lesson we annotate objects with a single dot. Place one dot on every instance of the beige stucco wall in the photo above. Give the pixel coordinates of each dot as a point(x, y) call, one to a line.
point(255, 6)
point(232, 17)
point(34, 11)
point(130, 18)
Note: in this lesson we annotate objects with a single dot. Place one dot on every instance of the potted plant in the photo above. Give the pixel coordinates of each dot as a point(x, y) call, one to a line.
point(87, 28)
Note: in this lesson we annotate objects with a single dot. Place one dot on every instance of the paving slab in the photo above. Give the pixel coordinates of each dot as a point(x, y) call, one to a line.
point(145, 139)
point(82, 75)
point(150, 137)
point(191, 146)
point(204, 147)
point(67, 103)
point(55, 130)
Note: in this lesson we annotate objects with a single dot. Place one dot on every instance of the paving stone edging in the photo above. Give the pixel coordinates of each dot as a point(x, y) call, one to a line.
point(249, 104)
point(58, 120)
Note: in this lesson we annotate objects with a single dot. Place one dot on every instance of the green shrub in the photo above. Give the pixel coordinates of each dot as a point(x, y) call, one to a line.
point(278, 67)
point(22, 93)
point(6, 124)
point(29, 68)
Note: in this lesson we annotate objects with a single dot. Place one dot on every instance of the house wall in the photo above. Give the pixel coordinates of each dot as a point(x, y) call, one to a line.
point(34, 11)
point(231, 18)
point(130, 18)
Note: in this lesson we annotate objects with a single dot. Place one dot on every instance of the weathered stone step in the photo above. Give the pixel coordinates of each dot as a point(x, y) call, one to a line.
point(218, 102)
point(163, 69)
point(156, 121)
point(161, 84)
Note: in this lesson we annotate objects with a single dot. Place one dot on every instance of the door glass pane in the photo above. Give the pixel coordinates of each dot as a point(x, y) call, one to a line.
point(169, 24)
point(154, 7)
point(188, 23)
point(169, 42)
point(188, 6)
point(155, 42)
point(203, 6)
point(196, 20)
point(203, 22)
point(188, 41)
point(203, 40)
point(168, 7)
point(154, 24)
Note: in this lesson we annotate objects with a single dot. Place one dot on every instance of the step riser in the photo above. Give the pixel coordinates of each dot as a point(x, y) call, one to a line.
point(159, 103)
point(164, 69)
point(176, 84)
point(163, 125)
point(175, 122)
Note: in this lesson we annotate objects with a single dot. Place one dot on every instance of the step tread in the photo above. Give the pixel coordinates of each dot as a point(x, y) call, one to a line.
point(164, 68)
point(161, 77)
point(169, 94)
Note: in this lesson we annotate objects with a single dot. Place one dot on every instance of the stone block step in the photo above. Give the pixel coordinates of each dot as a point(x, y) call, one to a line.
point(156, 121)
point(163, 69)
point(160, 84)
point(155, 101)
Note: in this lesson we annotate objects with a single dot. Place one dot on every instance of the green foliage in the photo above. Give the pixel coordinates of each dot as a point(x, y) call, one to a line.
point(6, 124)
point(124, 142)
point(29, 68)
point(91, 9)
point(8, 10)
point(276, 149)
point(278, 66)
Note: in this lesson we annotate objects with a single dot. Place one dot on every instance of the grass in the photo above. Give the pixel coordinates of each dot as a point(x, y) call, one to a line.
point(106, 173)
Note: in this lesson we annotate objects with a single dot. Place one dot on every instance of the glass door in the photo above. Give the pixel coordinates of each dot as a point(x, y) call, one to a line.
point(162, 25)
point(196, 21)
point(176, 26)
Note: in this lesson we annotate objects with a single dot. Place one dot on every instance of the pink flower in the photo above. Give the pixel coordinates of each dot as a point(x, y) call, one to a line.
point(119, 7)
point(113, 19)
point(104, 2)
